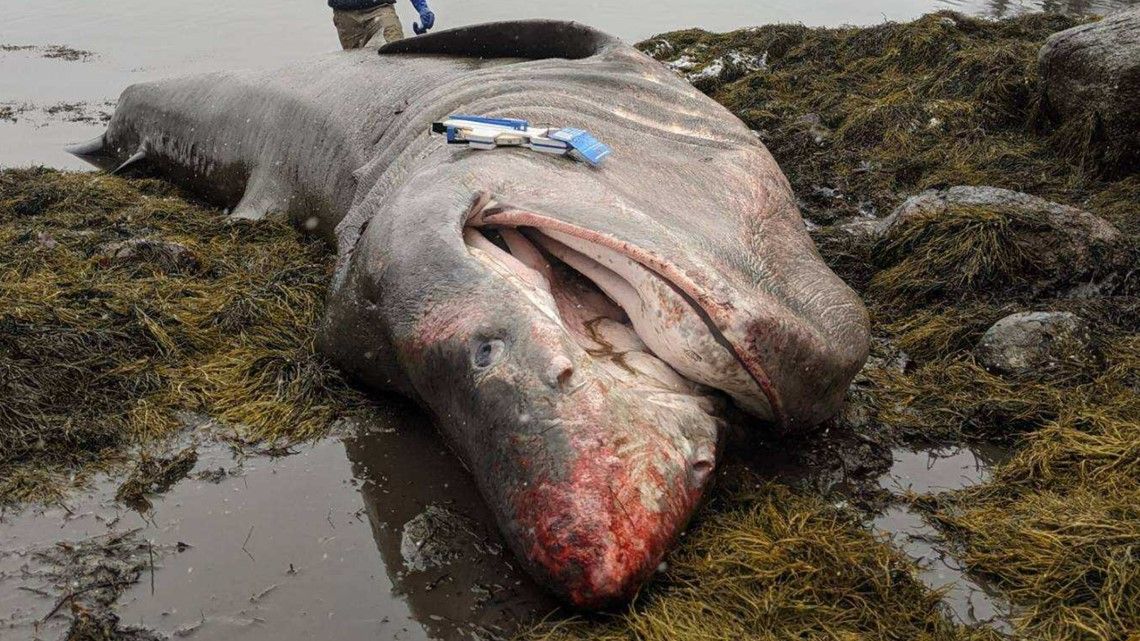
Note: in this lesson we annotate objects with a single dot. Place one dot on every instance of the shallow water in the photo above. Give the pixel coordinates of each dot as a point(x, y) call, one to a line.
point(296, 547)
point(136, 40)
point(339, 536)
point(931, 471)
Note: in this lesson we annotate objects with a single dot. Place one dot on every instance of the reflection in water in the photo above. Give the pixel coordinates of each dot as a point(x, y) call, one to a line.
point(394, 541)
point(286, 548)
point(842, 465)
point(438, 540)
point(941, 469)
point(931, 471)
point(967, 601)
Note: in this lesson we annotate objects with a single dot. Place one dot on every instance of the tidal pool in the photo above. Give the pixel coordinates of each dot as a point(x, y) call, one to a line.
point(375, 532)
point(378, 533)
point(941, 469)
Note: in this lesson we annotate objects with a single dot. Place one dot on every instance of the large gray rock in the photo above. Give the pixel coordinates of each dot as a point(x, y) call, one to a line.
point(1075, 224)
point(1035, 342)
point(1069, 245)
point(1091, 74)
point(438, 536)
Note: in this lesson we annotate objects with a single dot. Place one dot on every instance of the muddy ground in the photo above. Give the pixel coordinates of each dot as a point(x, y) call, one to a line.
point(175, 460)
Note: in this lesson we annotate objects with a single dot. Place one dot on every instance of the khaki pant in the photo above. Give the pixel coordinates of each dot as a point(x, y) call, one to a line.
point(358, 28)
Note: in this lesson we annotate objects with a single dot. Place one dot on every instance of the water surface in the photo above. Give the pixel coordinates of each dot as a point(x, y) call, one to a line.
point(136, 40)
point(930, 471)
point(332, 538)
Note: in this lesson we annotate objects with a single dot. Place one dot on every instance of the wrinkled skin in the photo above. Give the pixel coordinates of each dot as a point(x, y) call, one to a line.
point(474, 282)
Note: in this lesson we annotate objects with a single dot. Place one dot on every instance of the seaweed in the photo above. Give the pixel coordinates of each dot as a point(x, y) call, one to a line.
point(155, 475)
point(961, 252)
point(99, 358)
point(1058, 528)
point(102, 348)
point(773, 563)
point(879, 113)
point(860, 119)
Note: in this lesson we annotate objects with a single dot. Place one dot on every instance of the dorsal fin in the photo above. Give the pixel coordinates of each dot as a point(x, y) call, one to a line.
point(533, 39)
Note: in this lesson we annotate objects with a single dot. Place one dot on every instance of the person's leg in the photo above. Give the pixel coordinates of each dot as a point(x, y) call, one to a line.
point(343, 25)
point(356, 28)
point(390, 23)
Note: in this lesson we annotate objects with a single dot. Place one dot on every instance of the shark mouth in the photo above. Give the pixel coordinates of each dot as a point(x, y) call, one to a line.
point(640, 325)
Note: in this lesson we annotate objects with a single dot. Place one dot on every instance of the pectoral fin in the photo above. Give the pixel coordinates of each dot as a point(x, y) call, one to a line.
point(136, 158)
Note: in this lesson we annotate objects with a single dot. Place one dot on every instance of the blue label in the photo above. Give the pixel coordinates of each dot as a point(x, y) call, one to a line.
point(585, 146)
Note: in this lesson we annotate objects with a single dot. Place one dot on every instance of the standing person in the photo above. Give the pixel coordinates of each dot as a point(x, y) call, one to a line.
point(358, 21)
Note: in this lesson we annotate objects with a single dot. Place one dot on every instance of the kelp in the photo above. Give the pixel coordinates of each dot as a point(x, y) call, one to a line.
point(101, 351)
point(860, 119)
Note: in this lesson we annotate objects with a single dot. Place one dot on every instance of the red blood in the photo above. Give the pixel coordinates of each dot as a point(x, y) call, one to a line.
point(593, 535)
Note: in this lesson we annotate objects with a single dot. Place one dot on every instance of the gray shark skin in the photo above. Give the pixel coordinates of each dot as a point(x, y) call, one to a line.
point(577, 332)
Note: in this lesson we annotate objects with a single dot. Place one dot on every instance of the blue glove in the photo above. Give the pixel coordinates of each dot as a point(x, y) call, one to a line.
point(426, 16)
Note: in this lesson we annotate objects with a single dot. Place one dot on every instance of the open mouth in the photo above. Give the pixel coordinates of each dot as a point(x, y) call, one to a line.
point(634, 322)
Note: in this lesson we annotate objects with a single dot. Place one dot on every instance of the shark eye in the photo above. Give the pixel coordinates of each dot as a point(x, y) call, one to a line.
point(488, 352)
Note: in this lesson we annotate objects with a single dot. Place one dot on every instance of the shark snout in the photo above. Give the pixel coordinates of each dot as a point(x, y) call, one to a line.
point(603, 492)
point(600, 532)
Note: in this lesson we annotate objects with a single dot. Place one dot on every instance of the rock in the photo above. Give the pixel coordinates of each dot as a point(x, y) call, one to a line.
point(810, 128)
point(862, 227)
point(1069, 221)
point(168, 256)
point(706, 77)
point(438, 536)
point(46, 240)
point(1091, 74)
point(1067, 244)
point(1035, 342)
point(738, 64)
point(727, 68)
point(683, 63)
point(659, 48)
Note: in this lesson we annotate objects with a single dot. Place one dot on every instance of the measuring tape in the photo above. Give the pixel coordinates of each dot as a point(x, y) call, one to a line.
point(478, 132)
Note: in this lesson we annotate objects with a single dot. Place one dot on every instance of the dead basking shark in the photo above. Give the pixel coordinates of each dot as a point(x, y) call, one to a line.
point(577, 332)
